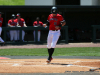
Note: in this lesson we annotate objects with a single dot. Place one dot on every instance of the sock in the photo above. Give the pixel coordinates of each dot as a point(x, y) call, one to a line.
point(50, 53)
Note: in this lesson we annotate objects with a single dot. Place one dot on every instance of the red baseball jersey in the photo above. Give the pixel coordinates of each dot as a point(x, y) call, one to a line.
point(35, 23)
point(1, 21)
point(54, 21)
point(21, 22)
point(12, 22)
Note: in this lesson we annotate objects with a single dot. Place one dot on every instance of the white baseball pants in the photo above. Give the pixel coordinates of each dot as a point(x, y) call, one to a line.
point(52, 39)
point(23, 34)
point(39, 34)
point(0, 35)
point(13, 35)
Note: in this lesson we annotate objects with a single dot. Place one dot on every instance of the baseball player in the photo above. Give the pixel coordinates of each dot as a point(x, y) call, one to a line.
point(12, 23)
point(21, 23)
point(55, 22)
point(1, 21)
point(37, 23)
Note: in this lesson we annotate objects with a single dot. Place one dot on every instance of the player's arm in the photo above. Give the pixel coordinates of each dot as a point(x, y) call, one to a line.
point(34, 24)
point(63, 23)
point(24, 24)
point(41, 23)
point(9, 25)
point(18, 25)
point(46, 24)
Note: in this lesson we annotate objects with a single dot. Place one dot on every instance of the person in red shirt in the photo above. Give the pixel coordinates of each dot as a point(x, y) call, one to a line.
point(20, 23)
point(1, 21)
point(55, 22)
point(13, 23)
point(37, 23)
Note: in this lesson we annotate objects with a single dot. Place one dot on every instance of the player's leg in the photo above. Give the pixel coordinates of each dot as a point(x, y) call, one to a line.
point(39, 33)
point(15, 35)
point(0, 37)
point(23, 34)
point(11, 35)
point(34, 34)
point(54, 41)
point(49, 41)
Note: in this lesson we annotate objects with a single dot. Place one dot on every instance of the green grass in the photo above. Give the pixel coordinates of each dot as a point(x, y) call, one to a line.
point(12, 2)
point(85, 51)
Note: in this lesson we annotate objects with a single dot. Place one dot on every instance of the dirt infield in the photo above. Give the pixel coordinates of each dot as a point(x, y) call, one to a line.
point(56, 66)
point(40, 66)
point(57, 46)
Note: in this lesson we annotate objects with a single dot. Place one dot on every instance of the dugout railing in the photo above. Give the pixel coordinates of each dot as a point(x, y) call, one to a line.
point(5, 29)
point(94, 28)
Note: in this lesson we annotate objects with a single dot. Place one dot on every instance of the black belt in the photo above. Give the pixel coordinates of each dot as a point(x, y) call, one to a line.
point(54, 30)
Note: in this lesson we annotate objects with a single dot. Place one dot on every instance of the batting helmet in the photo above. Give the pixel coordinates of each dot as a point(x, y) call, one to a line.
point(18, 14)
point(54, 10)
point(13, 16)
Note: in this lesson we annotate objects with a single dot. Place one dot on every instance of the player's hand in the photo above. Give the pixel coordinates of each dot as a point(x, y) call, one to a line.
point(18, 26)
point(57, 27)
point(25, 26)
point(44, 25)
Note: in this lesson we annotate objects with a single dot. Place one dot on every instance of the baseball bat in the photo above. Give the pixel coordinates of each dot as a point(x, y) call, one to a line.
point(94, 69)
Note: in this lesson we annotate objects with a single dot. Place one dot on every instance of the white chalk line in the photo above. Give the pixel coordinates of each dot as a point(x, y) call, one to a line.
point(85, 61)
point(38, 65)
point(17, 64)
point(81, 66)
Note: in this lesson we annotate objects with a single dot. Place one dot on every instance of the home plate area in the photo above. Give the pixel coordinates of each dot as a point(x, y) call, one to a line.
point(40, 65)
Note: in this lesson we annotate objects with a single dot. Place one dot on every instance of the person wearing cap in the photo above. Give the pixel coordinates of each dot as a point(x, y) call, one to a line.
point(1, 21)
point(37, 23)
point(55, 21)
point(12, 23)
point(21, 23)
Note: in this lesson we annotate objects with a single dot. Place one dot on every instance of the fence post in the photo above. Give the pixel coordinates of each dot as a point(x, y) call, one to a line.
point(20, 33)
point(5, 35)
point(66, 34)
point(94, 35)
point(36, 36)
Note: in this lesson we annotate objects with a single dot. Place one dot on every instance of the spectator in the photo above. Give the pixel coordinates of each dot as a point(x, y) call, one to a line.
point(12, 23)
point(1, 21)
point(20, 23)
point(37, 23)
